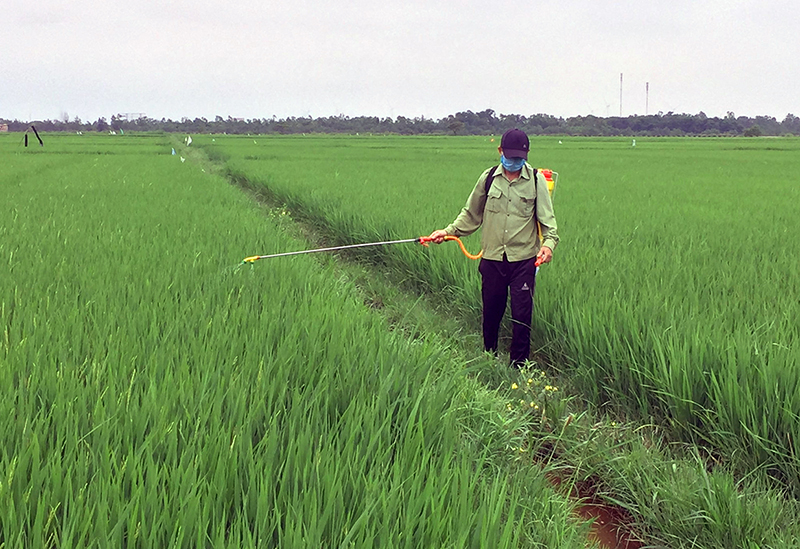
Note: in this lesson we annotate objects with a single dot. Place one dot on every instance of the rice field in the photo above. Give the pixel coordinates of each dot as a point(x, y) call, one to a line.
point(674, 295)
point(161, 394)
point(157, 395)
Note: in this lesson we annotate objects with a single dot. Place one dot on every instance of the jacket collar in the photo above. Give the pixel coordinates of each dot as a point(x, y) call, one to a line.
point(525, 173)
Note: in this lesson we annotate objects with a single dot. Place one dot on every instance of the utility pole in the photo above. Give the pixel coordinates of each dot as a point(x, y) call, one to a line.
point(646, 98)
point(620, 95)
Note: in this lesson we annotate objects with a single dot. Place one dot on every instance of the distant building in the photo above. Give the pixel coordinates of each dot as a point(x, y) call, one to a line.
point(3, 127)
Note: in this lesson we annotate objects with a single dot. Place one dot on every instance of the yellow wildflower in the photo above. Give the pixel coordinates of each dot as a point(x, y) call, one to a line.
point(514, 386)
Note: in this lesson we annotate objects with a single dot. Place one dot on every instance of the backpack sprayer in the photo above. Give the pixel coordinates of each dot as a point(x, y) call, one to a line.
point(424, 240)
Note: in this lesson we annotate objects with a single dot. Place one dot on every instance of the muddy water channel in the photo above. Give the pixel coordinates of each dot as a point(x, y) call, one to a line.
point(611, 525)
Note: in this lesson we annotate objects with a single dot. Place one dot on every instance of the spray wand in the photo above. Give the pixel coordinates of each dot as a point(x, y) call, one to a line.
point(424, 240)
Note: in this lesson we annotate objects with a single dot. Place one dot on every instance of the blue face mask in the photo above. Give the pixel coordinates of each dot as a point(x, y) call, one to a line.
point(512, 164)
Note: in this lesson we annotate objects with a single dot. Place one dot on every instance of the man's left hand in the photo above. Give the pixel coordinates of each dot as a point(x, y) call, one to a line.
point(544, 256)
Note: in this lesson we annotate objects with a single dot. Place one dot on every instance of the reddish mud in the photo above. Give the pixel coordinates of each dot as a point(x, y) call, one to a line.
point(611, 525)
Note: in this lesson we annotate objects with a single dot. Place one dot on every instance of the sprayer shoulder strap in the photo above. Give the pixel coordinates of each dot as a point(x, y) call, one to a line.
point(489, 179)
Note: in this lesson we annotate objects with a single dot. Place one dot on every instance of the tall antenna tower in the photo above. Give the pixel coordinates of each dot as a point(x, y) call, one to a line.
point(620, 95)
point(646, 98)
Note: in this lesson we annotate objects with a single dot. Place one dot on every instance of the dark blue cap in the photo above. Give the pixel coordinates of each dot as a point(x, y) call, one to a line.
point(515, 144)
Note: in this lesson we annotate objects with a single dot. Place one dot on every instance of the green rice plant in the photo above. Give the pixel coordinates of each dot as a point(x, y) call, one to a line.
point(672, 295)
point(678, 500)
point(159, 393)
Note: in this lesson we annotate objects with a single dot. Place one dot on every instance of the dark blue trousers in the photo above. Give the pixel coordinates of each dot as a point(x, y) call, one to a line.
point(498, 278)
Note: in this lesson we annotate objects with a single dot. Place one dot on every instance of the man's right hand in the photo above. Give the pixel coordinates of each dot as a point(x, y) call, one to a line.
point(438, 236)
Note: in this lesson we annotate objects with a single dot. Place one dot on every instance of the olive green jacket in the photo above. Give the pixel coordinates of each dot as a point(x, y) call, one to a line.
point(509, 216)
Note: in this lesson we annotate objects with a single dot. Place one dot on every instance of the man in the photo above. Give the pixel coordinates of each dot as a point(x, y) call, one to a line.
point(516, 205)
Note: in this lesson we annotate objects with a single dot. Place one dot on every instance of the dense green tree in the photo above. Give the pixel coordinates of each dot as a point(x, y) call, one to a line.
point(791, 124)
point(753, 131)
point(485, 122)
point(455, 126)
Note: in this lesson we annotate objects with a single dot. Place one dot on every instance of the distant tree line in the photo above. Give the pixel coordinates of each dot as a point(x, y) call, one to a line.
point(486, 122)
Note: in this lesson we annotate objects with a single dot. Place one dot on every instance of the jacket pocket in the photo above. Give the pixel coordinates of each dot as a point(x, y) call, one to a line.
point(493, 199)
point(524, 206)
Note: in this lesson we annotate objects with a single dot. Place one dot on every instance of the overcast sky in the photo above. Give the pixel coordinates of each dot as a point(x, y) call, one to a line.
point(264, 58)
